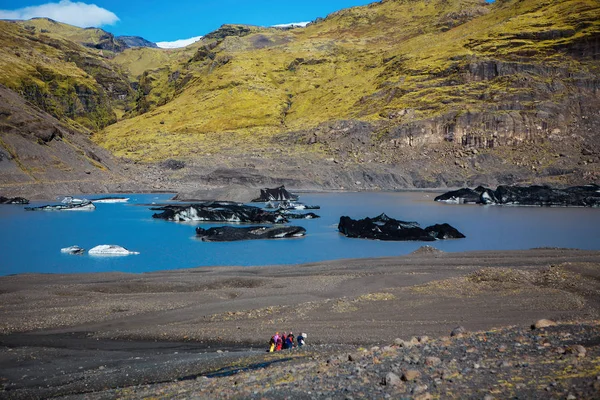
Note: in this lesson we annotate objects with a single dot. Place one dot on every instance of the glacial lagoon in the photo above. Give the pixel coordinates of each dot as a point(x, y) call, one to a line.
point(31, 240)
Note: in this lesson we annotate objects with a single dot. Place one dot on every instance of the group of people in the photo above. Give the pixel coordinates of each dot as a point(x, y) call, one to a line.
point(286, 341)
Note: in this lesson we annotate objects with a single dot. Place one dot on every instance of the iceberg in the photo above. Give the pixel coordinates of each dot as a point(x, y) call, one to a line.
point(110, 250)
point(72, 250)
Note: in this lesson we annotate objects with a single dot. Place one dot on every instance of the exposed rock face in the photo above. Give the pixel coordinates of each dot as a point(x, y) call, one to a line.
point(383, 227)
point(276, 194)
point(230, 234)
point(43, 155)
point(218, 212)
point(575, 196)
point(72, 83)
point(106, 41)
point(136, 41)
point(229, 30)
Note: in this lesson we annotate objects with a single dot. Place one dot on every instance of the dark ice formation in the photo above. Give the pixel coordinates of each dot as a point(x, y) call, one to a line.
point(276, 194)
point(383, 227)
point(79, 205)
point(575, 196)
point(293, 215)
point(13, 200)
point(218, 212)
point(230, 234)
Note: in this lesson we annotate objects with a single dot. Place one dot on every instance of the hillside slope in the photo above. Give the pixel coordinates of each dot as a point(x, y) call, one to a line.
point(395, 94)
point(73, 83)
point(40, 157)
point(442, 92)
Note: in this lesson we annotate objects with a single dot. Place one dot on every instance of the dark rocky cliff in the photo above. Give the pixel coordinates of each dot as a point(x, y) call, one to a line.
point(136, 41)
point(42, 157)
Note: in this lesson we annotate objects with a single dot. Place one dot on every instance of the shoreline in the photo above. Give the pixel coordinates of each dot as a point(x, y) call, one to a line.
point(175, 192)
point(70, 334)
point(316, 285)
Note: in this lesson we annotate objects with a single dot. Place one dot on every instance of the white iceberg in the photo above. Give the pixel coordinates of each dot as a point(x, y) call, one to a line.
point(110, 250)
point(72, 250)
point(111, 200)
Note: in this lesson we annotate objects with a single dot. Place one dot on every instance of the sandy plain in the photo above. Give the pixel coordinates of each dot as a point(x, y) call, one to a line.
point(68, 335)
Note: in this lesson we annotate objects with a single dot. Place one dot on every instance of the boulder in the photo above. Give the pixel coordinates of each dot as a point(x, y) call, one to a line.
point(383, 227)
point(231, 234)
point(543, 323)
point(410, 375)
point(391, 379)
point(458, 331)
point(432, 361)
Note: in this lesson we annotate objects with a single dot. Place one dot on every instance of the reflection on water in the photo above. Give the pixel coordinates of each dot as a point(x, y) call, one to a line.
point(31, 240)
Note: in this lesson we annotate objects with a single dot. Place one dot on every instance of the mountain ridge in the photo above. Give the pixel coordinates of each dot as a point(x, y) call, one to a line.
point(398, 93)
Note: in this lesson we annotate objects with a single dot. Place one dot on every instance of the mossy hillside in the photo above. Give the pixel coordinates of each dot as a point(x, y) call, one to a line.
point(427, 64)
point(368, 63)
point(136, 61)
point(94, 38)
point(61, 77)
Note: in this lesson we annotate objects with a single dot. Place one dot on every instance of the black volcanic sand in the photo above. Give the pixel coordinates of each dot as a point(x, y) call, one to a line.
point(202, 332)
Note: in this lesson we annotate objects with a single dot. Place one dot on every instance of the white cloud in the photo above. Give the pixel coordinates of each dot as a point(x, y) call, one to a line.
point(78, 14)
point(178, 43)
point(292, 25)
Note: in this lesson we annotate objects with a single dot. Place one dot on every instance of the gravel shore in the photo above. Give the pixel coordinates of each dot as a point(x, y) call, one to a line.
point(202, 332)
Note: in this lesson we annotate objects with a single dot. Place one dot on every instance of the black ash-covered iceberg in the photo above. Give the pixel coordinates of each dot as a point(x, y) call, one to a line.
point(68, 204)
point(575, 196)
point(294, 215)
point(383, 227)
point(276, 194)
point(218, 212)
point(231, 234)
point(13, 200)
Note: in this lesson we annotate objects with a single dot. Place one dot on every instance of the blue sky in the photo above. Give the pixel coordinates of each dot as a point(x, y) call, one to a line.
point(169, 21)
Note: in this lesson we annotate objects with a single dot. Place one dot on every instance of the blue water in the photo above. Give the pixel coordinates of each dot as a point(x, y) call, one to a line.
point(30, 241)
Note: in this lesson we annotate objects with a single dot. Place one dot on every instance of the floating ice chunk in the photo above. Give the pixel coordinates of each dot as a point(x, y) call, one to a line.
point(110, 250)
point(72, 250)
point(111, 200)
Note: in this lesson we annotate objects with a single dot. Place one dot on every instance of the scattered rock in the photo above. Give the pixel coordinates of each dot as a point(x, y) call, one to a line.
point(427, 250)
point(419, 389)
point(458, 331)
point(410, 375)
point(577, 349)
point(543, 323)
point(432, 361)
point(391, 379)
